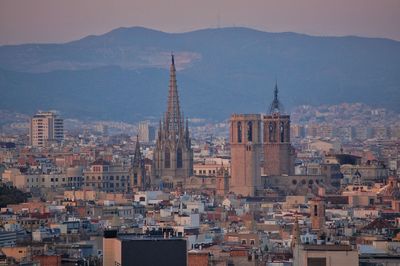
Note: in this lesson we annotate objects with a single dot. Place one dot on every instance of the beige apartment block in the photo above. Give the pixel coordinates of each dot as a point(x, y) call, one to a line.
point(46, 128)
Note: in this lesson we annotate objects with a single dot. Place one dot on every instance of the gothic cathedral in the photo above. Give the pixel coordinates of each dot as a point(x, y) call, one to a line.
point(173, 155)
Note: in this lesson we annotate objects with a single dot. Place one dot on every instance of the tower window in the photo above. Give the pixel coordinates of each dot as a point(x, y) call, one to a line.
point(239, 132)
point(282, 132)
point(250, 131)
point(271, 131)
point(179, 158)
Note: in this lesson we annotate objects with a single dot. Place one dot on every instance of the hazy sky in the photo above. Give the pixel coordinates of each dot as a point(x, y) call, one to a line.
point(24, 21)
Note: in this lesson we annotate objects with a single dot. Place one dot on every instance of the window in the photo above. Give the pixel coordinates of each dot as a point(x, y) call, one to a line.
point(271, 131)
point(282, 132)
point(371, 202)
point(250, 131)
point(239, 132)
point(244, 242)
point(167, 158)
point(252, 242)
point(179, 163)
point(316, 261)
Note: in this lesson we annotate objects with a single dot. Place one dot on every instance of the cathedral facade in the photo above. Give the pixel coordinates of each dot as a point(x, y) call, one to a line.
point(173, 155)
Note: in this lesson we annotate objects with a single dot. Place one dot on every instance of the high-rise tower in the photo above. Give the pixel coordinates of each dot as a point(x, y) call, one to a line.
point(45, 129)
point(173, 155)
point(245, 139)
point(278, 151)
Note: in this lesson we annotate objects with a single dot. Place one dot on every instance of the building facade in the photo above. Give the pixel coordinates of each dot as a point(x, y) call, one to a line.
point(143, 250)
point(173, 155)
point(46, 128)
point(147, 133)
point(103, 176)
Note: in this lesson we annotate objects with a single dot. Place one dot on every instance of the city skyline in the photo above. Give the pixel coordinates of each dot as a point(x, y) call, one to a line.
point(255, 148)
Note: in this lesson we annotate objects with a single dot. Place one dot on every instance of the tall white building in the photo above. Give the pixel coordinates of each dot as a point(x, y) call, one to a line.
point(147, 133)
point(46, 128)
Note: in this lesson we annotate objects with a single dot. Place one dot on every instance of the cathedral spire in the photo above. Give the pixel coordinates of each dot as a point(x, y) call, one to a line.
point(276, 106)
point(137, 159)
point(173, 155)
point(173, 114)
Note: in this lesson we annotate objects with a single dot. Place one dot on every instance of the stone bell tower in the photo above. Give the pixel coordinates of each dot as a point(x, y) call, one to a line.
point(278, 151)
point(245, 139)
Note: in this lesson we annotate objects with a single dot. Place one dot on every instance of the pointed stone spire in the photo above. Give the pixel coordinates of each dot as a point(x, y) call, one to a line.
point(137, 159)
point(276, 106)
point(173, 114)
point(187, 136)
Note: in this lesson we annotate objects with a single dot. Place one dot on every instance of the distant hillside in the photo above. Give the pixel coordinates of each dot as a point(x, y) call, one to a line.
point(123, 74)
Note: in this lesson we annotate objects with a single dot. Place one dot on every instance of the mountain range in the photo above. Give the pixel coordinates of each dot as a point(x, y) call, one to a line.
point(123, 75)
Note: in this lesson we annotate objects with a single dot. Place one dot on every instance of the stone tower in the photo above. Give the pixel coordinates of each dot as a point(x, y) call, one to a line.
point(222, 186)
point(245, 139)
point(138, 176)
point(173, 155)
point(317, 209)
point(278, 151)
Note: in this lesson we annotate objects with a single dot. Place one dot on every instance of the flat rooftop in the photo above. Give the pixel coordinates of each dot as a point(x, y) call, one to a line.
point(327, 247)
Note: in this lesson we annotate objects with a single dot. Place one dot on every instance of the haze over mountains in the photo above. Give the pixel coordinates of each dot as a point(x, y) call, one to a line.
point(123, 75)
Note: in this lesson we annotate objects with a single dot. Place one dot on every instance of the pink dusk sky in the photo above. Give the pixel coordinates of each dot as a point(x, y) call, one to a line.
point(27, 21)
